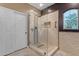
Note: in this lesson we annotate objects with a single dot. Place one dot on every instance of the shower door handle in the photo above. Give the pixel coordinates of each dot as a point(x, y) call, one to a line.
point(25, 32)
point(55, 24)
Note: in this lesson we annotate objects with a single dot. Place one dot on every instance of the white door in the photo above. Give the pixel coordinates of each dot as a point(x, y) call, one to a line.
point(12, 31)
point(7, 31)
point(21, 40)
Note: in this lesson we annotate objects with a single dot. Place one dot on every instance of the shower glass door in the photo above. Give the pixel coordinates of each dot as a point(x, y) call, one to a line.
point(48, 33)
point(52, 32)
point(38, 34)
point(33, 30)
point(44, 33)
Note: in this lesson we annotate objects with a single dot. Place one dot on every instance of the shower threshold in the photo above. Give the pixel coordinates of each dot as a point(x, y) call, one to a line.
point(43, 50)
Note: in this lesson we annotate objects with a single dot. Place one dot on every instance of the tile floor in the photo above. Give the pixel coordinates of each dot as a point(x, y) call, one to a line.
point(30, 52)
point(60, 53)
point(25, 52)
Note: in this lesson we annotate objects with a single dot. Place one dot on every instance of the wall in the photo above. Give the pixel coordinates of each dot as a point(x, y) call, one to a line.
point(47, 32)
point(68, 41)
point(22, 7)
point(52, 8)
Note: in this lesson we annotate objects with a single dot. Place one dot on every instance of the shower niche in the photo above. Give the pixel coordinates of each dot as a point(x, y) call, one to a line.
point(43, 33)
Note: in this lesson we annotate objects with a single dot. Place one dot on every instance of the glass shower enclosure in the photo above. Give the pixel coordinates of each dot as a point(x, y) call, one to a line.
point(43, 33)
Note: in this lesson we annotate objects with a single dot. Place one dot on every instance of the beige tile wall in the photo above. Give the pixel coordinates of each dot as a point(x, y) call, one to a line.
point(48, 35)
point(69, 42)
point(52, 31)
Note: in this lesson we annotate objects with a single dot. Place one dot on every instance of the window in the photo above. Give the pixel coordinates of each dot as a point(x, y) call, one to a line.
point(70, 19)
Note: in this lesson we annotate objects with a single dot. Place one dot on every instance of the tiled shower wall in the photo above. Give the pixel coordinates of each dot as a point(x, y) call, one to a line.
point(68, 41)
point(52, 34)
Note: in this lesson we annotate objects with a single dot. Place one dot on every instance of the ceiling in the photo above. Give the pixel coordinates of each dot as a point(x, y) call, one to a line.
point(37, 5)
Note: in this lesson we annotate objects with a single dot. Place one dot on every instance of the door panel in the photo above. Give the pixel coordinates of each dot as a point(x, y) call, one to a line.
point(20, 31)
point(12, 31)
point(7, 31)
